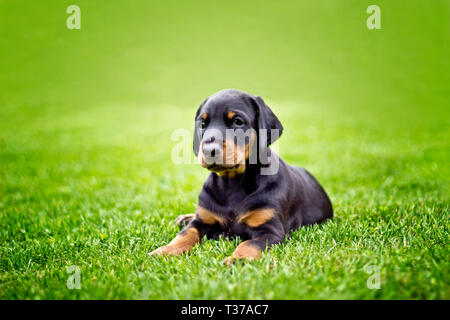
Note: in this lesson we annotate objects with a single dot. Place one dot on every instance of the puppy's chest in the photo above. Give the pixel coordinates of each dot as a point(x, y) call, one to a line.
point(226, 223)
point(235, 222)
point(232, 228)
point(227, 218)
point(232, 216)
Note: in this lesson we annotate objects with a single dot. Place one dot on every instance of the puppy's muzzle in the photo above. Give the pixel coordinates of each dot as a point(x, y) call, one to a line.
point(212, 153)
point(218, 154)
point(212, 149)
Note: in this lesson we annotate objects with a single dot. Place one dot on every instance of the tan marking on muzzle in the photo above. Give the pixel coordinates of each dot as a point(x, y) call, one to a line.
point(233, 156)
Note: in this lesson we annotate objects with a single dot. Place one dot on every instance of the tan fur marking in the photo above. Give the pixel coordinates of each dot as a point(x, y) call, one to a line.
point(180, 244)
point(231, 173)
point(244, 251)
point(233, 154)
point(231, 114)
point(204, 116)
point(257, 217)
point(209, 217)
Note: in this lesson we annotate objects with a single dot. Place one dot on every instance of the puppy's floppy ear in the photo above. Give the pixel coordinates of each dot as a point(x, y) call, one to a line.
point(267, 120)
point(197, 129)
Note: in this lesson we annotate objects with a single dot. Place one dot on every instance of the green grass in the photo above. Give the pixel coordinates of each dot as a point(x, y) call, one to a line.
point(86, 176)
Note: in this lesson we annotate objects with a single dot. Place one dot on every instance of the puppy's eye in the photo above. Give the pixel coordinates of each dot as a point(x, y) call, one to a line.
point(203, 124)
point(238, 122)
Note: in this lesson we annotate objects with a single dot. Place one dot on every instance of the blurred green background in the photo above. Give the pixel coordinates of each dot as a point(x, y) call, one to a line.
point(86, 116)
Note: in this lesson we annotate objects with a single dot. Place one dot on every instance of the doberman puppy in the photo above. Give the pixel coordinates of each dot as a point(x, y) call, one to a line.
point(251, 192)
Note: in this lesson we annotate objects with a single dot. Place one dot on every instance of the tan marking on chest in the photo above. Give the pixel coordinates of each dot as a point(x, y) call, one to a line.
point(209, 217)
point(255, 218)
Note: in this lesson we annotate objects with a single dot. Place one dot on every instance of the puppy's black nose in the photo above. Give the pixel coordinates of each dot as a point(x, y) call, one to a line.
point(212, 147)
point(210, 150)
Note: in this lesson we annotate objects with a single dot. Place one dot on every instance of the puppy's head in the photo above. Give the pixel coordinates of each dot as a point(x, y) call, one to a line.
point(230, 126)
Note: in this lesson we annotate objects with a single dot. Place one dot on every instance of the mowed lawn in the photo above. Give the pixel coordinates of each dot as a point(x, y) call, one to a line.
point(86, 118)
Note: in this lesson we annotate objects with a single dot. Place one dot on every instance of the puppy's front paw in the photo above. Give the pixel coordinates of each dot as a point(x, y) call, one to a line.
point(166, 251)
point(230, 260)
point(183, 242)
point(246, 251)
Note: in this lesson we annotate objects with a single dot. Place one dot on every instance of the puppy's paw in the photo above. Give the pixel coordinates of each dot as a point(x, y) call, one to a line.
point(246, 251)
point(167, 251)
point(230, 260)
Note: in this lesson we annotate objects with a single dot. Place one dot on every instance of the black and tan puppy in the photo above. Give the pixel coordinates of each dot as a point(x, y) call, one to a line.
point(251, 192)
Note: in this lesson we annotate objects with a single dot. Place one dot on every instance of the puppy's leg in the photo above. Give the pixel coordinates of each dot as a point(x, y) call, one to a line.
point(200, 224)
point(251, 249)
point(183, 242)
point(184, 219)
point(263, 236)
